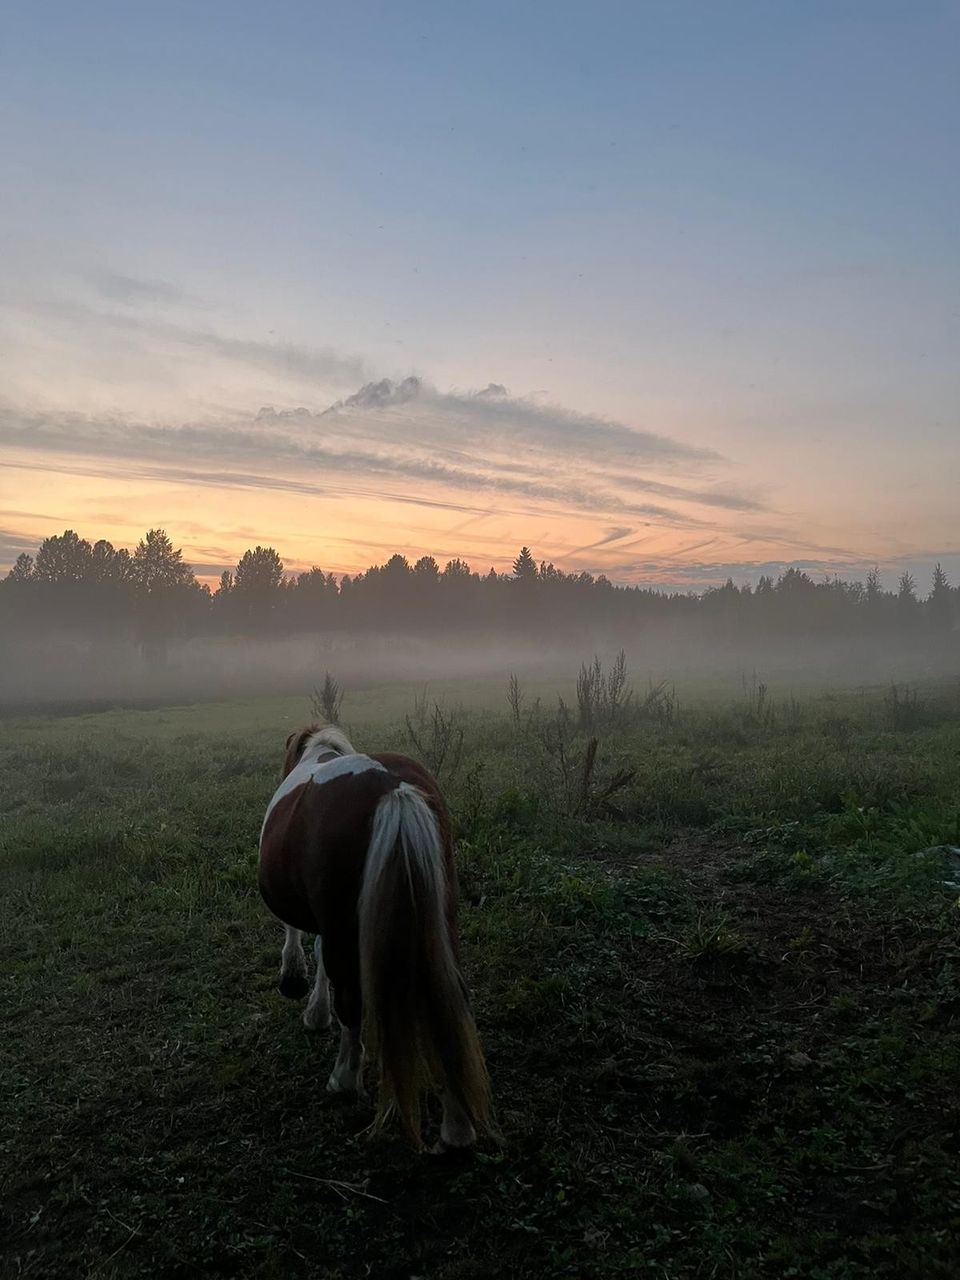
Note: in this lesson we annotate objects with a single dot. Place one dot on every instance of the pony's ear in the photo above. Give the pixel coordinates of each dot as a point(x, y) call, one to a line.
point(294, 748)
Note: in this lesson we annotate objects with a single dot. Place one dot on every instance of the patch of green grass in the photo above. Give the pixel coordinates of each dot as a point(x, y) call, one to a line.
point(712, 938)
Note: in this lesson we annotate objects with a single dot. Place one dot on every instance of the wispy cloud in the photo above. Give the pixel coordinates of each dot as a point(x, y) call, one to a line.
point(526, 423)
point(465, 443)
point(703, 574)
point(240, 480)
point(482, 455)
point(612, 535)
point(401, 443)
point(116, 287)
point(322, 366)
point(12, 544)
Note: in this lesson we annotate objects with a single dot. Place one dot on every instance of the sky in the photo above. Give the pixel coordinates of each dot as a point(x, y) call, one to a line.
point(667, 291)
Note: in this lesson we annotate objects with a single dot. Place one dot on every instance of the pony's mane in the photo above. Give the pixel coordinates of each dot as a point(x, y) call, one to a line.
point(332, 738)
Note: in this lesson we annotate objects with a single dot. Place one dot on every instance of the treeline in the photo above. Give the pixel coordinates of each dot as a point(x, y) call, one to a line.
point(151, 596)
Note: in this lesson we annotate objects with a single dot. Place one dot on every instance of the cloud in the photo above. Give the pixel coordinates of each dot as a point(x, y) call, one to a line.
point(243, 480)
point(378, 395)
point(478, 438)
point(130, 291)
point(614, 535)
point(611, 535)
point(29, 515)
point(727, 499)
point(401, 438)
point(310, 363)
point(249, 445)
point(676, 571)
point(321, 366)
point(13, 544)
point(524, 424)
point(566, 430)
point(212, 568)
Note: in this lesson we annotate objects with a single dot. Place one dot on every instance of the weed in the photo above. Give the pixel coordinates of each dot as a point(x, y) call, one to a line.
point(712, 938)
point(437, 738)
point(904, 709)
point(603, 698)
point(327, 700)
point(515, 697)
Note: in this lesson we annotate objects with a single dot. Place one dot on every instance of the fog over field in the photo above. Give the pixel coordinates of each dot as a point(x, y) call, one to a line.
point(47, 670)
point(84, 621)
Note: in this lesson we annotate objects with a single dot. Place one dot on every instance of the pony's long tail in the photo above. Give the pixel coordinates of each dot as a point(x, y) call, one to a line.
point(418, 1024)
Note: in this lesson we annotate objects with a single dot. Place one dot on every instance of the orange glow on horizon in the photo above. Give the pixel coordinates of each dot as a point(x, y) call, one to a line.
point(214, 525)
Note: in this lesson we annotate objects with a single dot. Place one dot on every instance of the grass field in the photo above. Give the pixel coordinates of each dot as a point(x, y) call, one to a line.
point(717, 986)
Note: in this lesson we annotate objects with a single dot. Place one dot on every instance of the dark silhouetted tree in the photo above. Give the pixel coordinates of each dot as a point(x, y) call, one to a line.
point(22, 570)
point(940, 608)
point(427, 569)
point(456, 570)
point(166, 593)
point(313, 600)
point(108, 565)
point(157, 566)
point(257, 588)
point(908, 606)
point(259, 572)
point(63, 558)
point(73, 587)
point(524, 567)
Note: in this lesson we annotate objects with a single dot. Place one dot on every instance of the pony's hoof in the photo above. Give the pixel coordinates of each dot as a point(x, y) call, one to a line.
point(294, 985)
point(346, 1089)
point(317, 1019)
point(336, 1086)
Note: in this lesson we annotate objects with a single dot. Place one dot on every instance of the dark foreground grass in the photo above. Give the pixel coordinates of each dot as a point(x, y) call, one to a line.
point(720, 1007)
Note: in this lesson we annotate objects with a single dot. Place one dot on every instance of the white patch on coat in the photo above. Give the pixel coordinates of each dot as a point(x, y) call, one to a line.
point(329, 738)
point(310, 769)
point(292, 959)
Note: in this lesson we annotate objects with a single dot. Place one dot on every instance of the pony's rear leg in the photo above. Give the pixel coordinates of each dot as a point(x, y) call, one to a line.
point(347, 1076)
point(347, 1073)
point(294, 982)
point(316, 1016)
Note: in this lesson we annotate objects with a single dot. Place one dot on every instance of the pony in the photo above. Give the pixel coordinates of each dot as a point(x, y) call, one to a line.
point(357, 849)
